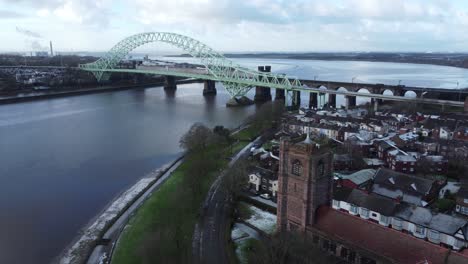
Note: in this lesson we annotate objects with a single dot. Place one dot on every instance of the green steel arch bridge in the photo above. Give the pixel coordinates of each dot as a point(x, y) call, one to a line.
point(236, 79)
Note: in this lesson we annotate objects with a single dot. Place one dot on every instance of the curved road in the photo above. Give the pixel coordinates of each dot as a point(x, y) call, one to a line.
point(209, 238)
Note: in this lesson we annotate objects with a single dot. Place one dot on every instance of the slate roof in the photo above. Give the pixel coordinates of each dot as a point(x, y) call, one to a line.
point(393, 184)
point(359, 177)
point(422, 216)
point(381, 240)
point(384, 145)
point(373, 202)
point(341, 193)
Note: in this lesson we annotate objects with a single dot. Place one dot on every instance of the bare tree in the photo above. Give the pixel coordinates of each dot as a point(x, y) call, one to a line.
point(290, 248)
point(236, 177)
point(268, 114)
point(197, 138)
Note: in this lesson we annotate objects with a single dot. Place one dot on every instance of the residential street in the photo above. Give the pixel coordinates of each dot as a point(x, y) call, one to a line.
point(209, 238)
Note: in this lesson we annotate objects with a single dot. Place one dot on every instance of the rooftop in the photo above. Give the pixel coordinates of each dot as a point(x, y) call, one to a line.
point(359, 177)
point(382, 240)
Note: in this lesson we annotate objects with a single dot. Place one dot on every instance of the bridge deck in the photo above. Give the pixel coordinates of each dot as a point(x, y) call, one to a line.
point(202, 74)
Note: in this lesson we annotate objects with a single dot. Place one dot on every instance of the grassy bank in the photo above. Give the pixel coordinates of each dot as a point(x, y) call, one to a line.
point(161, 231)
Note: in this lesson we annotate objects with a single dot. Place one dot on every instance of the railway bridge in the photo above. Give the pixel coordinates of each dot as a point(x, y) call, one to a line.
point(238, 80)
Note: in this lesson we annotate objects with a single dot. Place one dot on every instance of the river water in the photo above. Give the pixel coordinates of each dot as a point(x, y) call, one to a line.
point(63, 160)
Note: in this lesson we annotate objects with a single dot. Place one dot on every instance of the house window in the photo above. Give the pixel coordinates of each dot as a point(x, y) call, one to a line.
point(383, 219)
point(434, 234)
point(325, 244)
point(336, 203)
point(344, 252)
point(352, 256)
point(464, 210)
point(458, 243)
point(420, 230)
point(396, 222)
point(354, 209)
point(374, 215)
point(364, 212)
point(332, 248)
point(297, 168)
point(411, 169)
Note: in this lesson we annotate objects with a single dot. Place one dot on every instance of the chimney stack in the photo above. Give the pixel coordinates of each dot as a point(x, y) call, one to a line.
point(51, 50)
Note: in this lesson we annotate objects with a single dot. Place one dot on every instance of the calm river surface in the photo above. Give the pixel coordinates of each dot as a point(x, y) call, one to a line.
point(63, 160)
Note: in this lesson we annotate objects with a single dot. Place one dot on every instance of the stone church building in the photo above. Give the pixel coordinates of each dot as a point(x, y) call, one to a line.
point(305, 193)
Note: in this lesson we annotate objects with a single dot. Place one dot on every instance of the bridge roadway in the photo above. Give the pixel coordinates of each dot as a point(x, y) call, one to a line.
point(204, 75)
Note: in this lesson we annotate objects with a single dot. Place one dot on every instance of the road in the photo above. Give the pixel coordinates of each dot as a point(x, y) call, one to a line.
point(209, 238)
point(101, 252)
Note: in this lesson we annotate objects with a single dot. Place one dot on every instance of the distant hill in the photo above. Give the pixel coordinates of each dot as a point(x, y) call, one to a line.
point(446, 59)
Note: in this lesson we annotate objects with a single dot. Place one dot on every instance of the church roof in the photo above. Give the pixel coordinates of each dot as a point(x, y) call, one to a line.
point(381, 240)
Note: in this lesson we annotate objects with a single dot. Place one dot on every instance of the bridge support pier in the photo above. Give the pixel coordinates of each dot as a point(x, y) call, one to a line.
point(170, 83)
point(375, 104)
point(313, 100)
point(296, 99)
point(332, 100)
point(279, 94)
point(465, 105)
point(350, 101)
point(263, 94)
point(209, 87)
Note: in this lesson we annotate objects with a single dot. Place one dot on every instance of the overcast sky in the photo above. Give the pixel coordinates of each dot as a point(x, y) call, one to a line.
point(237, 25)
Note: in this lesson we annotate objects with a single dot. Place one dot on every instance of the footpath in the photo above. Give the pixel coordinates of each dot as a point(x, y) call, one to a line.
point(97, 241)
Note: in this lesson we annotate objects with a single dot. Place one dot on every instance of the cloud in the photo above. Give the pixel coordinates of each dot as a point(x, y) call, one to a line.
point(28, 33)
point(5, 14)
point(256, 25)
point(84, 12)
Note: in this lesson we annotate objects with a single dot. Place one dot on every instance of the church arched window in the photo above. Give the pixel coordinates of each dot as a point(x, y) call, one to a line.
point(296, 168)
point(320, 168)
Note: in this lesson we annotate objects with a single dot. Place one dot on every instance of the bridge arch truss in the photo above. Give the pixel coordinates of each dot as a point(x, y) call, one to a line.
point(236, 79)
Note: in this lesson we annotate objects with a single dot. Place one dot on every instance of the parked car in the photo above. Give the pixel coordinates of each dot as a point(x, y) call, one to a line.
point(253, 191)
point(265, 196)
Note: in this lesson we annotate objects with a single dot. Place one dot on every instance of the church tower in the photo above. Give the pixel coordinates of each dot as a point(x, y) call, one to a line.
point(305, 182)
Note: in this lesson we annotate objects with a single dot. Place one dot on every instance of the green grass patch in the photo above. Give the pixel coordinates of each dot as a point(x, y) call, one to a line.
point(444, 204)
point(165, 210)
point(239, 146)
point(246, 134)
point(162, 229)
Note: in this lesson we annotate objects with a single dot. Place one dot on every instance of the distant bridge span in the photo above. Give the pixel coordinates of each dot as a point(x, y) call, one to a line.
point(236, 79)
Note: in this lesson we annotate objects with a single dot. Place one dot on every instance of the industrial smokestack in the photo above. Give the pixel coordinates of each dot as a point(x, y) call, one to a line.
point(51, 50)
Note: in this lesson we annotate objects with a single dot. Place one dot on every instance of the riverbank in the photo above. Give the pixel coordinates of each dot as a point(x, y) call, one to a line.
point(163, 227)
point(81, 249)
point(48, 95)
